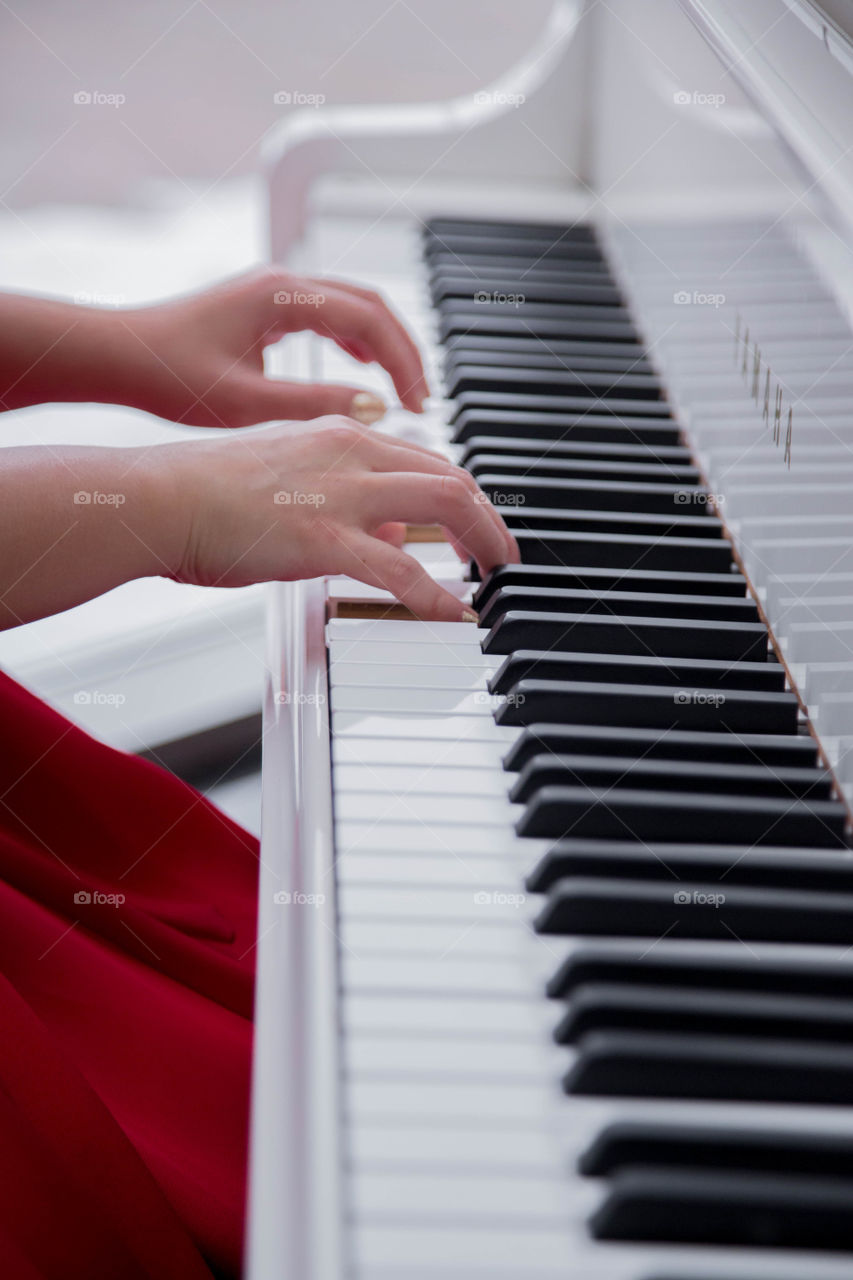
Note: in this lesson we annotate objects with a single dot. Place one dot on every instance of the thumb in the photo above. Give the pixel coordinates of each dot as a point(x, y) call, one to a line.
point(269, 398)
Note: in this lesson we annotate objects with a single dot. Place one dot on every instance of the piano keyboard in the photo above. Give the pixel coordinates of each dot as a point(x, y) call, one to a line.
point(593, 889)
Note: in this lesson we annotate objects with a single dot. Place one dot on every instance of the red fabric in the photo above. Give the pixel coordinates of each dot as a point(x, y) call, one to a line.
point(125, 1025)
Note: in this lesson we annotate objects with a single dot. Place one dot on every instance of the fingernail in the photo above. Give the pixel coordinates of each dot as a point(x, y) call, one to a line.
point(468, 615)
point(366, 408)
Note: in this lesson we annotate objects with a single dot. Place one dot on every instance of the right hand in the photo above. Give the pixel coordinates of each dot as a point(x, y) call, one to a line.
point(305, 500)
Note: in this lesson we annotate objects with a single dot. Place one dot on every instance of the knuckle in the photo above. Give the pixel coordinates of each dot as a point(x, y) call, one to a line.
point(404, 573)
point(341, 433)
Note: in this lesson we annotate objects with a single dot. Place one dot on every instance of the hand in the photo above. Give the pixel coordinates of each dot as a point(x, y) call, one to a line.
point(293, 502)
point(200, 360)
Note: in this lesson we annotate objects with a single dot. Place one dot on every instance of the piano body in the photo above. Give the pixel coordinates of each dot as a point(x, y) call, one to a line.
point(556, 925)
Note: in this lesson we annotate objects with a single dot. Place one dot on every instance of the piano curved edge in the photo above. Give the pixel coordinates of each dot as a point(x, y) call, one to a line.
point(294, 1197)
point(315, 141)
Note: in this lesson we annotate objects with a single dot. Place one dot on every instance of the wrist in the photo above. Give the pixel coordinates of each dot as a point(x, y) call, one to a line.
point(161, 505)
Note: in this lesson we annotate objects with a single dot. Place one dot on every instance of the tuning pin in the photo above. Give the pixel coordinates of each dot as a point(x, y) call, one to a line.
point(766, 411)
point(745, 351)
point(777, 415)
point(756, 371)
point(788, 436)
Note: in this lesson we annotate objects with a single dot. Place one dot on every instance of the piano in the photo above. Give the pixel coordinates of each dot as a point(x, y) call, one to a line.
point(555, 961)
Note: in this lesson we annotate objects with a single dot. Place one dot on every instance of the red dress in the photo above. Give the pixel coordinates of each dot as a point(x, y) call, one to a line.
point(127, 934)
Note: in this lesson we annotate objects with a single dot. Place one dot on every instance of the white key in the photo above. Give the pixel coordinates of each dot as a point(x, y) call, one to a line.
point(442, 871)
point(457, 755)
point(413, 701)
point(451, 728)
point(400, 838)
point(431, 778)
point(391, 629)
point(443, 1058)
point(377, 1149)
point(351, 675)
point(455, 976)
point(414, 654)
point(504, 1200)
point(431, 809)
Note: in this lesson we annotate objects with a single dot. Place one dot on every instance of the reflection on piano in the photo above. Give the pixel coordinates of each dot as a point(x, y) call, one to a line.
point(556, 958)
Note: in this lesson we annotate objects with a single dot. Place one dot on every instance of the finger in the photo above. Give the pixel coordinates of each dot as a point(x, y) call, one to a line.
point(350, 319)
point(393, 533)
point(390, 569)
point(434, 499)
point(267, 399)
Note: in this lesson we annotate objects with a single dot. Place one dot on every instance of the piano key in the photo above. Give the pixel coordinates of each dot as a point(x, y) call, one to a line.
point(537, 246)
point(351, 675)
point(561, 449)
point(407, 780)
point(776, 868)
point(616, 550)
point(417, 751)
point(558, 382)
point(597, 813)
point(650, 471)
point(643, 908)
point(415, 653)
point(391, 727)
point(768, 1210)
point(425, 807)
point(499, 420)
point(665, 775)
point(405, 700)
point(531, 313)
point(601, 633)
point(409, 1147)
point(657, 497)
point(545, 578)
point(573, 520)
point(687, 673)
point(511, 322)
point(445, 286)
point(630, 1143)
point(597, 1006)
point(751, 748)
point(543, 406)
point(647, 1064)
point(476, 348)
point(578, 232)
point(795, 971)
point(625, 602)
point(649, 706)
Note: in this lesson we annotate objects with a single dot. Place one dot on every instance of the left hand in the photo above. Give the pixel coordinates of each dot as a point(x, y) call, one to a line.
point(199, 360)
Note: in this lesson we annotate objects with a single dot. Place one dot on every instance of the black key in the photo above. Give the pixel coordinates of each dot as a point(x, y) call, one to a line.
point(683, 1010)
point(766, 1210)
point(539, 358)
point(621, 551)
point(601, 495)
point(636, 604)
point(752, 748)
point(603, 633)
point(474, 348)
point(684, 673)
point(647, 1065)
point(648, 707)
point(509, 287)
point(547, 465)
point(641, 523)
point(493, 402)
point(629, 1143)
point(604, 427)
point(540, 247)
point(525, 313)
point(513, 321)
point(567, 232)
point(774, 868)
point(547, 770)
point(544, 578)
point(519, 447)
point(599, 814)
point(725, 970)
point(553, 382)
point(488, 263)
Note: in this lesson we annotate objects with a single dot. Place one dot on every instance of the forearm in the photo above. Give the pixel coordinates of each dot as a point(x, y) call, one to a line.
point(58, 351)
point(75, 522)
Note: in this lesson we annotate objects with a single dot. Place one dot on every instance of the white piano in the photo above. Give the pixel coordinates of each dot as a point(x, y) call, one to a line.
point(555, 970)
